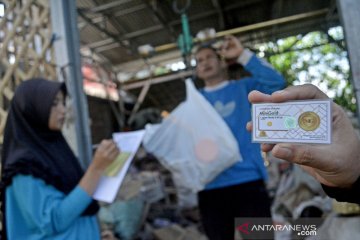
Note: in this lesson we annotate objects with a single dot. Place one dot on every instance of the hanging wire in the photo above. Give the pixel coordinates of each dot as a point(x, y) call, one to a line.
point(183, 9)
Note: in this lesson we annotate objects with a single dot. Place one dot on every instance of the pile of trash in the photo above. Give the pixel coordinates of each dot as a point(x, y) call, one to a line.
point(150, 206)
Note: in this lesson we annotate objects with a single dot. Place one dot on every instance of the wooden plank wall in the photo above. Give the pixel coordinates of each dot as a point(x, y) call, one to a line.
point(25, 48)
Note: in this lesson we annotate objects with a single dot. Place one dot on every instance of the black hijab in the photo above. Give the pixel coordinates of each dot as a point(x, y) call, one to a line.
point(31, 148)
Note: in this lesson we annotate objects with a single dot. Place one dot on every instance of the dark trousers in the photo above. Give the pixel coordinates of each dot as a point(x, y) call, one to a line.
point(219, 207)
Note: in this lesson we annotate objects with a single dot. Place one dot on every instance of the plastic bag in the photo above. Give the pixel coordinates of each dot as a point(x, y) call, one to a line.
point(193, 142)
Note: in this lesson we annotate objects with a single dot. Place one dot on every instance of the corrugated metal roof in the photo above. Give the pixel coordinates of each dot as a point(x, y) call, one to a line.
point(85, 3)
point(115, 29)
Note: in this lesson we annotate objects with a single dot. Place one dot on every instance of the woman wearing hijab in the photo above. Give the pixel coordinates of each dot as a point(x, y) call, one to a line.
point(44, 192)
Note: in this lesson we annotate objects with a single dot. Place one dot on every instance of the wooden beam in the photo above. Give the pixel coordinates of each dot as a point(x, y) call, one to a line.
point(256, 26)
point(108, 6)
point(171, 77)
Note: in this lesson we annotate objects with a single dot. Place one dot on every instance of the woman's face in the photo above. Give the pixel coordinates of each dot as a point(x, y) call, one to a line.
point(57, 112)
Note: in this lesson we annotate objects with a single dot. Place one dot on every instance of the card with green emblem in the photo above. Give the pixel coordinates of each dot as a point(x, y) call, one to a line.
point(294, 122)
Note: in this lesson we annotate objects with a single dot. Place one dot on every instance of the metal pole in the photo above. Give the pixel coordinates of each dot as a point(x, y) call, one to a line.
point(67, 51)
point(350, 20)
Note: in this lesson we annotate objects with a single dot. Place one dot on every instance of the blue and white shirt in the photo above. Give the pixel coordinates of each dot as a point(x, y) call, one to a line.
point(230, 99)
point(35, 210)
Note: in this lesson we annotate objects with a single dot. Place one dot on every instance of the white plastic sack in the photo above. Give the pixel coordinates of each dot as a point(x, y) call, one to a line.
point(193, 142)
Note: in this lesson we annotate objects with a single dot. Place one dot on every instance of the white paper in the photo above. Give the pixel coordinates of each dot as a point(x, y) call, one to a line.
point(108, 186)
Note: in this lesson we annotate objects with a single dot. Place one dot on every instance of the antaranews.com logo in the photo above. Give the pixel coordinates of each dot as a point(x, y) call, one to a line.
point(264, 228)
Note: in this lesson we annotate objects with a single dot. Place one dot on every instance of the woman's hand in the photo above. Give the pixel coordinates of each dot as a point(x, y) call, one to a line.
point(105, 154)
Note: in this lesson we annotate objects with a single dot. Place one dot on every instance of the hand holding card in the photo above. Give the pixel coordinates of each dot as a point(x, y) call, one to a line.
point(335, 164)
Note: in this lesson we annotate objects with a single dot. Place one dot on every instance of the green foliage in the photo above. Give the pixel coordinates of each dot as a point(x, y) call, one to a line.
point(346, 98)
point(317, 58)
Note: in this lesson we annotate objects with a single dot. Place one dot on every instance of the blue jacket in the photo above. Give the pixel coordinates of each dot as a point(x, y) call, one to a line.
point(230, 99)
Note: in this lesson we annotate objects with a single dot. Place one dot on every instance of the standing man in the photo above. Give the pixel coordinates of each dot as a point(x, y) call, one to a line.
point(239, 191)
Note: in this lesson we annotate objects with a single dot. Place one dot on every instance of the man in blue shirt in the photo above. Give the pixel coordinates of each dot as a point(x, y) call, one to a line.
point(239, 191)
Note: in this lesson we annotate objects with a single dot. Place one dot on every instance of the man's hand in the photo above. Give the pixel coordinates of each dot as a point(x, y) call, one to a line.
point(231, 48)
point(334, 165)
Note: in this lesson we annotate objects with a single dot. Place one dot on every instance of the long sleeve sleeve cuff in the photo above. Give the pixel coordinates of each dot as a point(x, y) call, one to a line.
point(351, 195)
point(245, 57)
